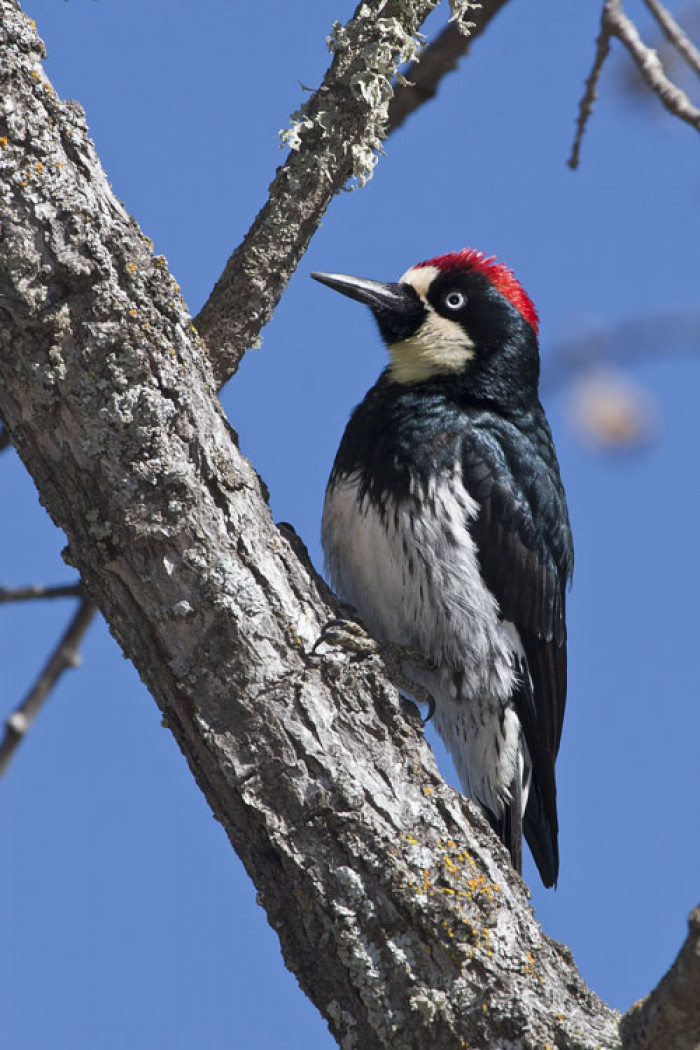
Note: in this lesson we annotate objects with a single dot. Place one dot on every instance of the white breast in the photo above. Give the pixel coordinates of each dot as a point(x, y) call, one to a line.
point(412, 572)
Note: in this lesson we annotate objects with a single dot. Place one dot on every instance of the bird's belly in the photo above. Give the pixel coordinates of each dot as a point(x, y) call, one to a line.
point(411, 570)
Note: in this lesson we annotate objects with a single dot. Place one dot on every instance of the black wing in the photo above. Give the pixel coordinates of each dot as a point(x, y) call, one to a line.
point(526, 555)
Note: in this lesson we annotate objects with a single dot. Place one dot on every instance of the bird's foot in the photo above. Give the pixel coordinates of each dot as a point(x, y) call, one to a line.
point(348, 635)
point(353, 638)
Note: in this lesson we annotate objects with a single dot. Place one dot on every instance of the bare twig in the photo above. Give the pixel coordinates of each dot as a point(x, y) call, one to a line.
point(675, 35)
point(675, 100)
point(38, 590)
point(65, 655)
point(590, 94)
point(670, 1016)
point(615, 23)
point(440, 57)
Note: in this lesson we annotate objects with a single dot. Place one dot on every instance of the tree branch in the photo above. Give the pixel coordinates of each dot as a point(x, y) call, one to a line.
point(615, 22)
point(64, 656)
point(395, 905)
point(590, 94)
point(38, 590)
point(440, 57)
point(670, 1016)
point(655, 336)
point(334, 137)
point(675, 35)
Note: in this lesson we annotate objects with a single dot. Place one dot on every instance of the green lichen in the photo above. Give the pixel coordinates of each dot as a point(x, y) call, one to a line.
point(372, 47)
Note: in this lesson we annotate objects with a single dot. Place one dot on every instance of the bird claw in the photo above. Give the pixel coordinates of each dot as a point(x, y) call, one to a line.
point(346, 634)
point(353, 638)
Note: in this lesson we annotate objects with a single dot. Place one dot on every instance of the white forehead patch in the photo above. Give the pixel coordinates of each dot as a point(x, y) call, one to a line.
point(420, 278)
point(439, 346)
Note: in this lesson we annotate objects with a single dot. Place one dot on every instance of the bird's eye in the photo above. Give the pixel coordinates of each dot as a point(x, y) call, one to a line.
point(455, 300)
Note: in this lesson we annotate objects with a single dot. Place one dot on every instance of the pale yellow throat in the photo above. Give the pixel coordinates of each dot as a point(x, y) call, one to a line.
point(440, 346)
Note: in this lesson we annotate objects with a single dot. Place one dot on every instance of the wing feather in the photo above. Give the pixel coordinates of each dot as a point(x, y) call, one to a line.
point(526, 557)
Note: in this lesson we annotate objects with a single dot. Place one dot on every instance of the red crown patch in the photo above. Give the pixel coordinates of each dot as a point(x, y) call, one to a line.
point(501, 277)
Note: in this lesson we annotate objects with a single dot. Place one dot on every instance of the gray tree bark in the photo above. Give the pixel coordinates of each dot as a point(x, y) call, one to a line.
point(395, 906)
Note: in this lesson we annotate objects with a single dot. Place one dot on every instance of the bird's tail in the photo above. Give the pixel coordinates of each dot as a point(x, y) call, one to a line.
point(541, 836)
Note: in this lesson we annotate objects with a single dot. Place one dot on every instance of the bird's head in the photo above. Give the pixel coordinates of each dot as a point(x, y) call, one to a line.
point(461, 315)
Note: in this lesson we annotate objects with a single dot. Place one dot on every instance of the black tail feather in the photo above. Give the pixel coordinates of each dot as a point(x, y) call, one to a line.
point(541, 837)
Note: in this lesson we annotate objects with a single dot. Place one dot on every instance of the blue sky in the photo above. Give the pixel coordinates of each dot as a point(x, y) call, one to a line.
point(126, 918)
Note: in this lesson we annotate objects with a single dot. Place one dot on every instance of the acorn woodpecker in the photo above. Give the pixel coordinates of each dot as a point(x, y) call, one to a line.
point(445, 525)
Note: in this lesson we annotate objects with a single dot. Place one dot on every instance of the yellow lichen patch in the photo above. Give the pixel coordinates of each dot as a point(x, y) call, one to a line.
point(131, 267)
point(466, 896)
point(447, 928)
point(450, 864)
point(3, 141)
point(479, 885)
point(39, 167)
point(133, 313)
point(427, 790)
point(529, 964)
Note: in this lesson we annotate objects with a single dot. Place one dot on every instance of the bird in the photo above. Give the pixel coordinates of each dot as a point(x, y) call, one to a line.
point(445, 527)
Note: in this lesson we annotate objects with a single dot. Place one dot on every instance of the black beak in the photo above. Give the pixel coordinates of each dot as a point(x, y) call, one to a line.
point(374, 294)
point(397, 307)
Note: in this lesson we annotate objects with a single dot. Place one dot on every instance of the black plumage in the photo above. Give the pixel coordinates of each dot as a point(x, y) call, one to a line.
point(456, 420)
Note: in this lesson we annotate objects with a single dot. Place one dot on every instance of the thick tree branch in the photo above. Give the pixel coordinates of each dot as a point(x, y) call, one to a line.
point(394, 904)
point(334, 136)
point(64, 656)
point(438, 58)
point(670, 1017)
